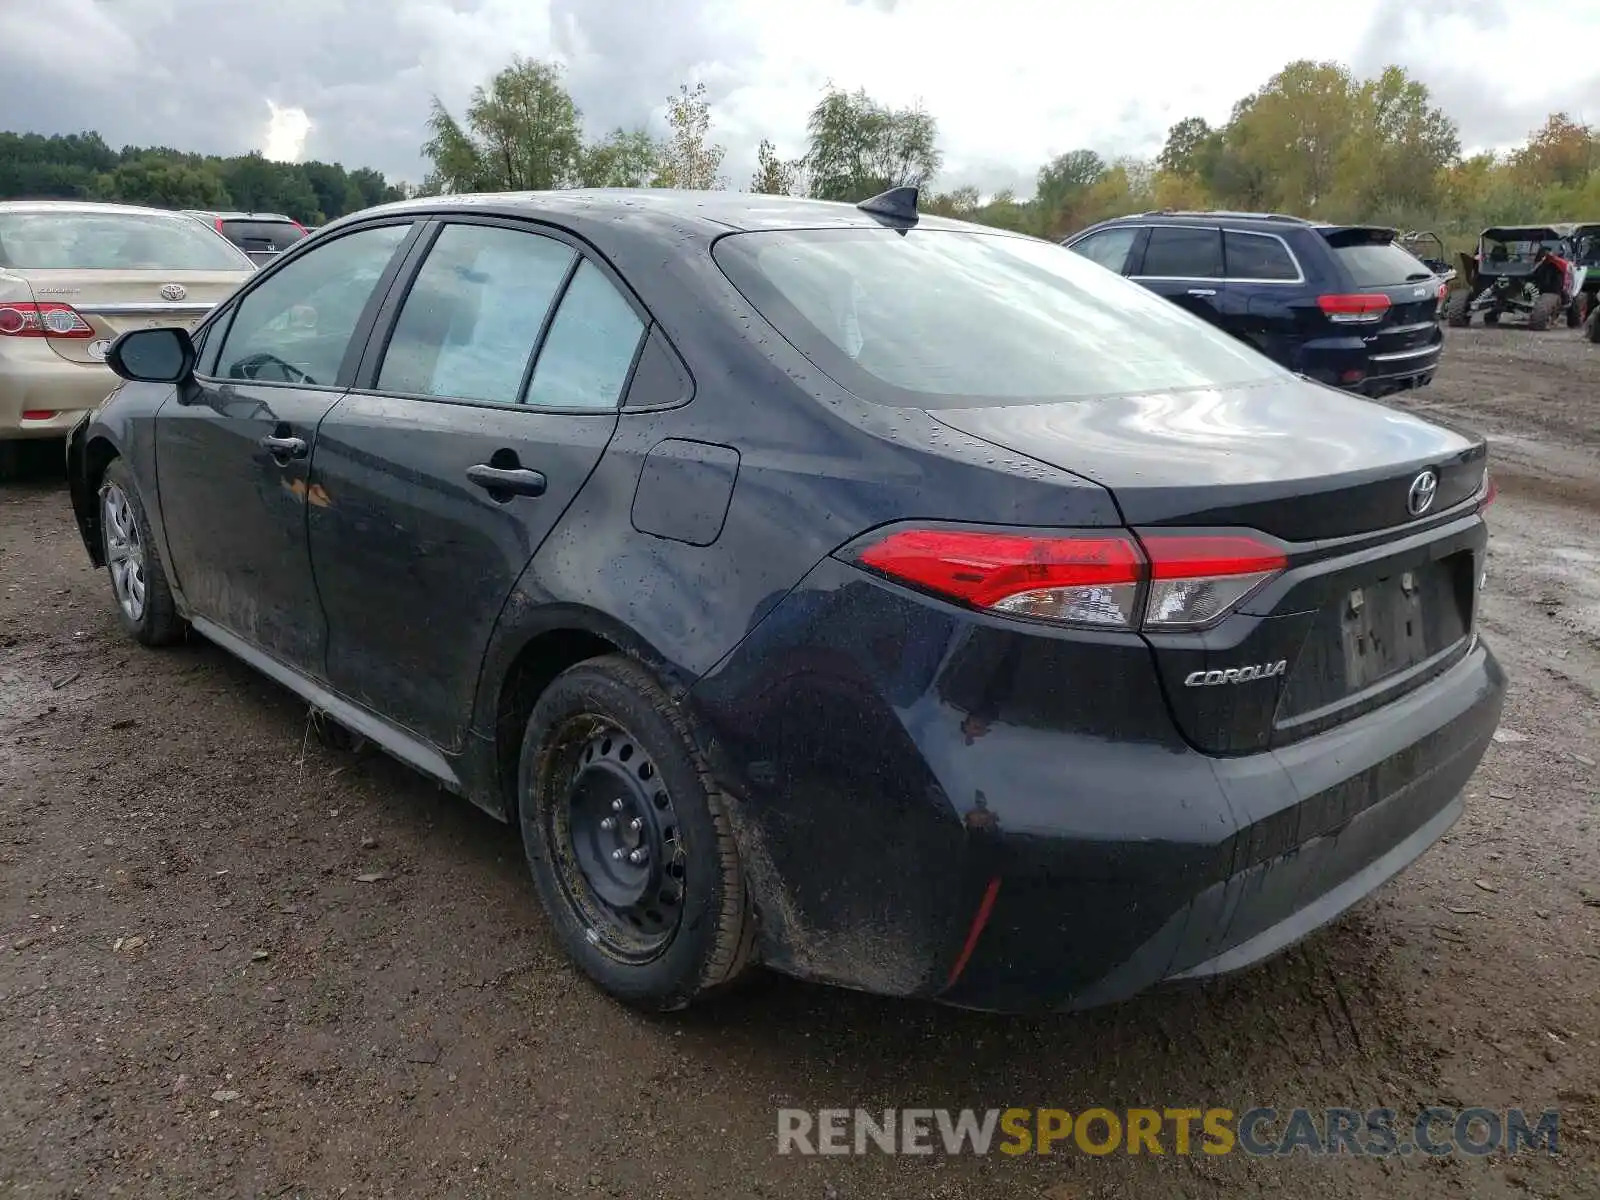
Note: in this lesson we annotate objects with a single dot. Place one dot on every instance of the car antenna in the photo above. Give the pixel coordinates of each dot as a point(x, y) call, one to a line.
point(898, 204)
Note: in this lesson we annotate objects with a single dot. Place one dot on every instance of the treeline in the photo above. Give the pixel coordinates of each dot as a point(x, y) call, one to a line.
point(1314, 141)
point(83, 167)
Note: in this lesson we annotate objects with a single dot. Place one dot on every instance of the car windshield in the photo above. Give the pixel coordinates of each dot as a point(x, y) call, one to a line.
point(949, 318)
point(86, 241)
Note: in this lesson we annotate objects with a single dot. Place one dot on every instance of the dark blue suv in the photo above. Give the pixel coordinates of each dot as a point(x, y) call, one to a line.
point(1342, 304)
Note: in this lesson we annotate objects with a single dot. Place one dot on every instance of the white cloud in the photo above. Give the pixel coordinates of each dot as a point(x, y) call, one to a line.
point(287, 130)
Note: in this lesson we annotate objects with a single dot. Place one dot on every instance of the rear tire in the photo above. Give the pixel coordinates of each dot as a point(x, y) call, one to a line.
point(1544, 310)
point(10, 459)
point(628, 838)
point(138, 579)
point(1578, 311)
point(1458, 310)
point(1592, 327)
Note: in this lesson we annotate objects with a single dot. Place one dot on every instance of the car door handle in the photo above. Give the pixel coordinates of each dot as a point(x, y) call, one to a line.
point(283, 447)
point(510, 481)
point(1202, 291)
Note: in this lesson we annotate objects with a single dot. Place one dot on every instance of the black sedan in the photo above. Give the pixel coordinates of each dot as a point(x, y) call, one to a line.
point(894, 602)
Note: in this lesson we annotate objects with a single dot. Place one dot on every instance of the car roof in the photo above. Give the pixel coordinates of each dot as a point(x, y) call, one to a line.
point(227, 215)
point(710, 213)
point(1513, 233)
point(1264, 222)
point(84, 206)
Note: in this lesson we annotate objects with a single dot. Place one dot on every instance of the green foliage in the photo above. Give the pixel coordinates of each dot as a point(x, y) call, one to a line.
point(689, 160)
point(859, 147)
point(623, 158)
point(521, 133)
point(776, 176)
point(82, 167)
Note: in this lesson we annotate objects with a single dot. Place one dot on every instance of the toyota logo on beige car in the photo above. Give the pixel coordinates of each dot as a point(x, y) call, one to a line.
point(174, 292)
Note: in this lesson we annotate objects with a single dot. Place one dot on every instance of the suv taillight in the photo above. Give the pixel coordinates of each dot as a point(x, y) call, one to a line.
point(1156, 580)
point(48, 320)
point(1358, 309)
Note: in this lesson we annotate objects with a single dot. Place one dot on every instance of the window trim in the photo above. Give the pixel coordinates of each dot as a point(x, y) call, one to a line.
point(365, 379)
point(359, 336)
point(1300, 272)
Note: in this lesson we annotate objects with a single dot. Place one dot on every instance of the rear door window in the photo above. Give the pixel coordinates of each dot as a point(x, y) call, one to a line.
point(1183, 252)
point(1258, 257)
point(590, 348)
point(469, 325)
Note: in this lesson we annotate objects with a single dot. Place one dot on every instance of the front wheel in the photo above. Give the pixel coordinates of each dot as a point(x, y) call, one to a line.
point(1578, 311)
point(1458, 310)
point(628, 839)
point(138, 579)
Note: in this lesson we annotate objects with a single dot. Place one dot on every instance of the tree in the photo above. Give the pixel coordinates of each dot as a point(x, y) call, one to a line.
point(521, 133)
point(164, 183)
point(1292, 134)
point(623, 158)
point(688, 160)
point(1189, 143)
point(858, 147)
point(775, 176)
point(1560, 152)
point(1061, 185)
point(1399, 144)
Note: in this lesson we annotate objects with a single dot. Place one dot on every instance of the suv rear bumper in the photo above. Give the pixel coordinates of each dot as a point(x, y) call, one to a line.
point(1351, 364)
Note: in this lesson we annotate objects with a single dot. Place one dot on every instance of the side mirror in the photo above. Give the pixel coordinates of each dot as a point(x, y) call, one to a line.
point(163, 355)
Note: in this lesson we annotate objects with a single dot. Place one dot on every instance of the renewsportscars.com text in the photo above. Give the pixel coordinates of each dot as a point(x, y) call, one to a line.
point(1433, 1132)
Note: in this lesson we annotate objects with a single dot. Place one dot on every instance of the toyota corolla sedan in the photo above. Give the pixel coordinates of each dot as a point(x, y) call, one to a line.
point(890, 601)
point(72, 277)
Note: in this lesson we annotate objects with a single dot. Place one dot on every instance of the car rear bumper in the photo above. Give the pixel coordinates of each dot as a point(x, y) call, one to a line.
point(39, 381)
point(1350, 363)
point(899, 841)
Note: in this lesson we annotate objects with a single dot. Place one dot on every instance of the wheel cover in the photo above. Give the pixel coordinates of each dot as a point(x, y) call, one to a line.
point(124, 551)
point(614, 833)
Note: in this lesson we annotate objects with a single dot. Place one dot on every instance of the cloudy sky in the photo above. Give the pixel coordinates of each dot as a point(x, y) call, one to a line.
point(1012, 82)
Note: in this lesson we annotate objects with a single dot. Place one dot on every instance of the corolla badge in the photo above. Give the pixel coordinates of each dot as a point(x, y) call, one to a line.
point(1236, 674)
point(173, 292)
point(1419, 499)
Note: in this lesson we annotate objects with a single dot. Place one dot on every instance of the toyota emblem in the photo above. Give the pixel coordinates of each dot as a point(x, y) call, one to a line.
point(1423, 489)
point(174, 292)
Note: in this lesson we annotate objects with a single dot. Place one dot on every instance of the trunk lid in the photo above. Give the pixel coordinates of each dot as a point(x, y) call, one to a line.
point(113, 302)
point(1375, 599)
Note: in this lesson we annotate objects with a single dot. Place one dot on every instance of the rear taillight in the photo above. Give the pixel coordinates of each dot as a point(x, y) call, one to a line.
point(299, 226)
point(1358, 309)
point(48, 320)
point(1195, 580)
point(1490, 491)
point(1159, 581)
point(219, 225)
point(1444, 292)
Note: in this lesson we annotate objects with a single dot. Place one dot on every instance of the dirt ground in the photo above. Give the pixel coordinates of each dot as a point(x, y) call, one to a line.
point(204, 991)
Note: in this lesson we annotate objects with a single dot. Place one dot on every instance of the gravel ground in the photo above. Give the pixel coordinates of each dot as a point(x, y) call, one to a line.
point(237, 963)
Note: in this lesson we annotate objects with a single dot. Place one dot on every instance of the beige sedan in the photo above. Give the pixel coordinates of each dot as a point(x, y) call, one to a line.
point(74, 275)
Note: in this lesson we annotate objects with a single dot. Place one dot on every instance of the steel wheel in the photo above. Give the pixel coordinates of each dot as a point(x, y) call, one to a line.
point(619, 858)
point(124, 551)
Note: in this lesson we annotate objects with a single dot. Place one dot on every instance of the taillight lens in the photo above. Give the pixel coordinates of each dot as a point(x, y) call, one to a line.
point(1358, 309)
point(46, 320)
point(1095, 579)
point(1092, 579)
point(1444, 292)
point(1490, 490)
point(1195, 580)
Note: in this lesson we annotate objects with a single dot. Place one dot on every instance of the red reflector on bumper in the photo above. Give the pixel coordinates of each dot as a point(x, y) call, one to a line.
point(38, 414)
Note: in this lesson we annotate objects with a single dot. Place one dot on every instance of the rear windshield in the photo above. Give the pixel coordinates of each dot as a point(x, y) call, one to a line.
point(1381, 264)
point(79, 241)
point(263, 235)
point(945, 318)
